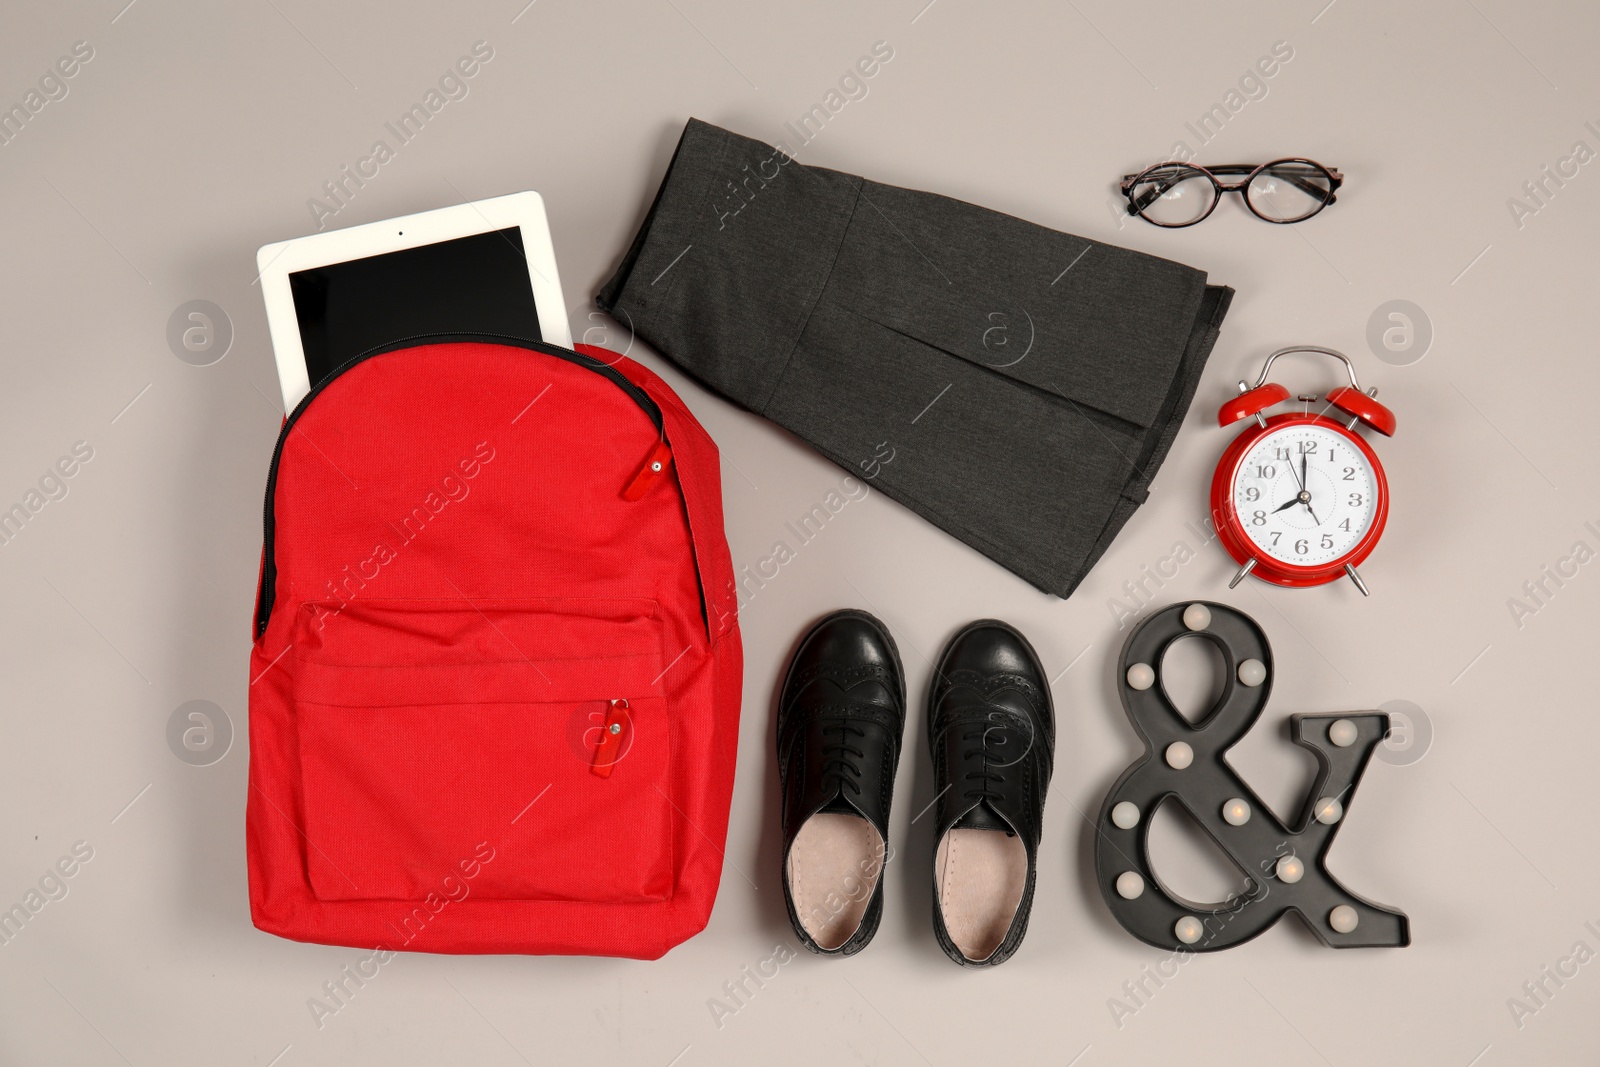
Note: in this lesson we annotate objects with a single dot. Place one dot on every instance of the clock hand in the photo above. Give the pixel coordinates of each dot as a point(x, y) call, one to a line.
point(1302, 497)
point(1305, 494)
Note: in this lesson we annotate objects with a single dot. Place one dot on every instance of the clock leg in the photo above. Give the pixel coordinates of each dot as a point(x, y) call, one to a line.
point(1250, 566)
point(1354, 577)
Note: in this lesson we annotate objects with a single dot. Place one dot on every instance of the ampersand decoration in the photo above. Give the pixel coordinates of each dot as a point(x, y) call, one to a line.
point(1185, 763)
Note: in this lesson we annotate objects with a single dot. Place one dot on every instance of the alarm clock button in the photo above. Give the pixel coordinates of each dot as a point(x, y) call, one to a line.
point(1369, 411)
point(1251, 403)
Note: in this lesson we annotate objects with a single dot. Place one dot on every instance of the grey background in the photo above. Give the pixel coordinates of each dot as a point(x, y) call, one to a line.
point(198, 132)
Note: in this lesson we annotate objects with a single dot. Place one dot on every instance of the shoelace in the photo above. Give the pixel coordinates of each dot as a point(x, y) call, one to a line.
point(837, 765)
point(988, 773)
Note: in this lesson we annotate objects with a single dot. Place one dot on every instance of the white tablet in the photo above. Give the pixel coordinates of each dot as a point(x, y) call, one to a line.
point(483, 267)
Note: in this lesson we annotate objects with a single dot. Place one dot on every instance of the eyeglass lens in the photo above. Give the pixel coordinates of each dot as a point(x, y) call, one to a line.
point(1174, 195)
point(1289, 192)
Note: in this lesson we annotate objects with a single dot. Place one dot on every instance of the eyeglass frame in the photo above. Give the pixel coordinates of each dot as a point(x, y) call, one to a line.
point(1250, 171)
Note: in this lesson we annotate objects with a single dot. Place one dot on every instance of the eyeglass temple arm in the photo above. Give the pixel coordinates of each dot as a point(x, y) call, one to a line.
point(1138, 203)
point(1251, 168)
point(1311, 188)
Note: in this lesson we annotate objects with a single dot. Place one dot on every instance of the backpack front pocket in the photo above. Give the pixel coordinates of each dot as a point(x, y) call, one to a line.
point(509, 749)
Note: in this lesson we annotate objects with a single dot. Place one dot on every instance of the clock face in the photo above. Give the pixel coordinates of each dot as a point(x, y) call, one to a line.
point(1305, 494)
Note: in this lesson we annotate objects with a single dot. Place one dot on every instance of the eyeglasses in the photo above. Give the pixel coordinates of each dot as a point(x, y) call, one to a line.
point(1182, 194)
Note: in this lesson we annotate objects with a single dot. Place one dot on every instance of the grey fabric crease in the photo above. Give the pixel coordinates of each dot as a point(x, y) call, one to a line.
point(1028, 383)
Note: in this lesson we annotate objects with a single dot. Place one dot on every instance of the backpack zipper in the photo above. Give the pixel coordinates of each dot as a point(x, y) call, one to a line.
point(613, 736)
point(269, 568)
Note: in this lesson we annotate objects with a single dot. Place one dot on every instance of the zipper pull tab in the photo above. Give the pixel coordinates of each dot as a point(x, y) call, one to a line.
point(613, 738)
point(655, 465)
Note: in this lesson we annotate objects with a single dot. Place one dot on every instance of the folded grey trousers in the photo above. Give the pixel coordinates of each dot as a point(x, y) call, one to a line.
point(1015, 386)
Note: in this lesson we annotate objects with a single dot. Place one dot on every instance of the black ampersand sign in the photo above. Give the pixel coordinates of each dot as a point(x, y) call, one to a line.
point(1184, 763)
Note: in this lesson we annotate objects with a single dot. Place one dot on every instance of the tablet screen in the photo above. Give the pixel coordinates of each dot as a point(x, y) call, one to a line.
point(476, 284)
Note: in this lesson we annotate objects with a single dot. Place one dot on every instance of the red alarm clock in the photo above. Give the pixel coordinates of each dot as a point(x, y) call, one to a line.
point(1300, 498)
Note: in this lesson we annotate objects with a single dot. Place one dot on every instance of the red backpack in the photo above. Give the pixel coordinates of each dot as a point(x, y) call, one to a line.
point(494, 694)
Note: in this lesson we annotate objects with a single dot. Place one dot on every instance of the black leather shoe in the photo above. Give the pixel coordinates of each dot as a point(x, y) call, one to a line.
point(991, 729)
point(841, 717)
